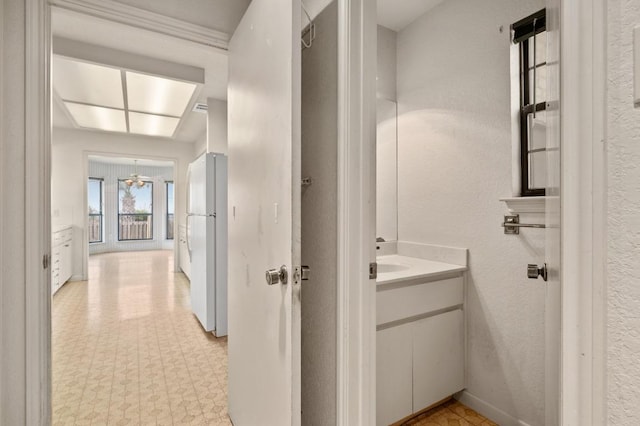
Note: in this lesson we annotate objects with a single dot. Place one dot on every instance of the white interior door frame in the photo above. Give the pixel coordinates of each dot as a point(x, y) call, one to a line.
point(356, 212)
point(38, 212)
point(583, 26)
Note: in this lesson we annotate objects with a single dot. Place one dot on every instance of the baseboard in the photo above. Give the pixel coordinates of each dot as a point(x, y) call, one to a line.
point(77, 278)
point(489, 411)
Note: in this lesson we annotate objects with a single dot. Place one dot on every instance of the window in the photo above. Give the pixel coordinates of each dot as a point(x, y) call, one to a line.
point(94, 197)
point(170, 210)
point(530, 34)
point(135, 211)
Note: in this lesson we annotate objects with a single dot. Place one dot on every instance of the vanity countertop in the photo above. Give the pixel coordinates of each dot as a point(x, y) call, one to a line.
point(395, 268)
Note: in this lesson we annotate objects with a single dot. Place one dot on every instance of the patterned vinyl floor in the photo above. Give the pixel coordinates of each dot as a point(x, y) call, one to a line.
point(451, 413)
point(128, 351)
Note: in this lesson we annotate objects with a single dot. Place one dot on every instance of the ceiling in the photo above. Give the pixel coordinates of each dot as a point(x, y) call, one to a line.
point(396, 15)
point(130, 161)
point(221, 15)
point(99, 32)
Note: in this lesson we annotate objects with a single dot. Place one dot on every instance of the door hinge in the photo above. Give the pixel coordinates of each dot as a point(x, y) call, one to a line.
point(45, 261)
point(373, 270)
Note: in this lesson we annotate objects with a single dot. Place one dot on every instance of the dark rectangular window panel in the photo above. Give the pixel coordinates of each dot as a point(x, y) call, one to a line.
point(96, 218)
point(135, 211)
point(532, 101)
point(170, 210)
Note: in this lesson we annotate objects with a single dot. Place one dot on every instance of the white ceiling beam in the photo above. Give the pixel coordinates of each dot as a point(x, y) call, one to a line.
point(125, 60)
point(140, 18)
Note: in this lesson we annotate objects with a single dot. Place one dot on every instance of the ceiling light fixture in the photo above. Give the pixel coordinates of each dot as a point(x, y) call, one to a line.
point(135, 178)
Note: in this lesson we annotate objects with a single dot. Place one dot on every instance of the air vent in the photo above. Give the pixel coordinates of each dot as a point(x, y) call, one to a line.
point(200, 107)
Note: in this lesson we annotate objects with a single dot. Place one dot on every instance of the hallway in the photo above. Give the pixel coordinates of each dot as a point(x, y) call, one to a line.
point(127, 350)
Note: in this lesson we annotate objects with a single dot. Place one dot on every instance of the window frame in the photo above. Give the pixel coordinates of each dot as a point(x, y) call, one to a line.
point(168, 228)
point(101, 214)
point(523, 33)
point(147, 182)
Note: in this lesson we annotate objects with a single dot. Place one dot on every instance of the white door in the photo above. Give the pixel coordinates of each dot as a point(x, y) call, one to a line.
point(552, 221)
point(264, 214)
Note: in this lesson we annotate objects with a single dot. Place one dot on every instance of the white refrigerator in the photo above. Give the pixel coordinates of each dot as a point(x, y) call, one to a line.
point(207, 240)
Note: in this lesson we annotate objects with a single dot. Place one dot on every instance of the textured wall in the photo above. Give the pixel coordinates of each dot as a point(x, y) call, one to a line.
point(386, 63)
point(624, 219)
point(111, 173)
point(454, 131)
point(12, 216)
point(319, 218)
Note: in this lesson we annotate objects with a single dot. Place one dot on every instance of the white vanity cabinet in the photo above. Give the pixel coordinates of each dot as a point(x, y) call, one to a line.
point(438, 358)
point(185, 259)
point(61, 257)
point(420, 344)
point(394, 377)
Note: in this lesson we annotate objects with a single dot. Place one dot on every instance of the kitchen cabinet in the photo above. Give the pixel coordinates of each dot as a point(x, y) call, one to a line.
point(61, 257)
point(185, 258)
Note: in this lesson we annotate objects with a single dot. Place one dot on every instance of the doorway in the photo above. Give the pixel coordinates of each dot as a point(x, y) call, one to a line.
point(125, 129)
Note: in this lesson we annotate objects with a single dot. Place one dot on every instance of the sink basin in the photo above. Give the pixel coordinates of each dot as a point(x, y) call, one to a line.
point(391, 267)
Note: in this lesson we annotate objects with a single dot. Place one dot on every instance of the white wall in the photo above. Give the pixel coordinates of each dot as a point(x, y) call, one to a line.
point(111, 173)
point(13, 231)
point(386, 64)
point(217, 126)
point(200, 145)
point(69, 171)
point(623, 396)
point(386, 170)
point(454, 157)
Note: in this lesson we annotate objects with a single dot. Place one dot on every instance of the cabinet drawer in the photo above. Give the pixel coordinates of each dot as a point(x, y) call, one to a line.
point(60, 237)
point(396, 303)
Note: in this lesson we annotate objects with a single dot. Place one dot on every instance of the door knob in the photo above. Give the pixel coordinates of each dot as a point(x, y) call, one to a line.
point(533, 271)
point(274, 276)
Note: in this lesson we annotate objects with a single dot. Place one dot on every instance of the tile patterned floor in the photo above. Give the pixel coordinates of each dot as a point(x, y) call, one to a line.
point(128, 351)
point(451, 413)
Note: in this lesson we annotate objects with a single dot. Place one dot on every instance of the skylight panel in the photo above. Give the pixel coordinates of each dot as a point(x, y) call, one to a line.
point(111, 120)
point(87, 83)
point(158, 95)
point(152, 125)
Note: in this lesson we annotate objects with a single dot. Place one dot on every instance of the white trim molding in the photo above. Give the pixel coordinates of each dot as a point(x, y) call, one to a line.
point(356, 347)
point(526, 204)
point(38, 208)
point(139, 18)
point(583, 215)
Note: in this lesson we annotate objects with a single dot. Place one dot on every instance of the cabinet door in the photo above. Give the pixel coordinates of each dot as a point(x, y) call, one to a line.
point(438, 358)
point(394, 374)
point(185, 261)
point(55, 269)
point(65, 262)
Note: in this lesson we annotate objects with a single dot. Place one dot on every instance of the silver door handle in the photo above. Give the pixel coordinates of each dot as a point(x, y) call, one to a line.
point(533, 272)
point(275, 276)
